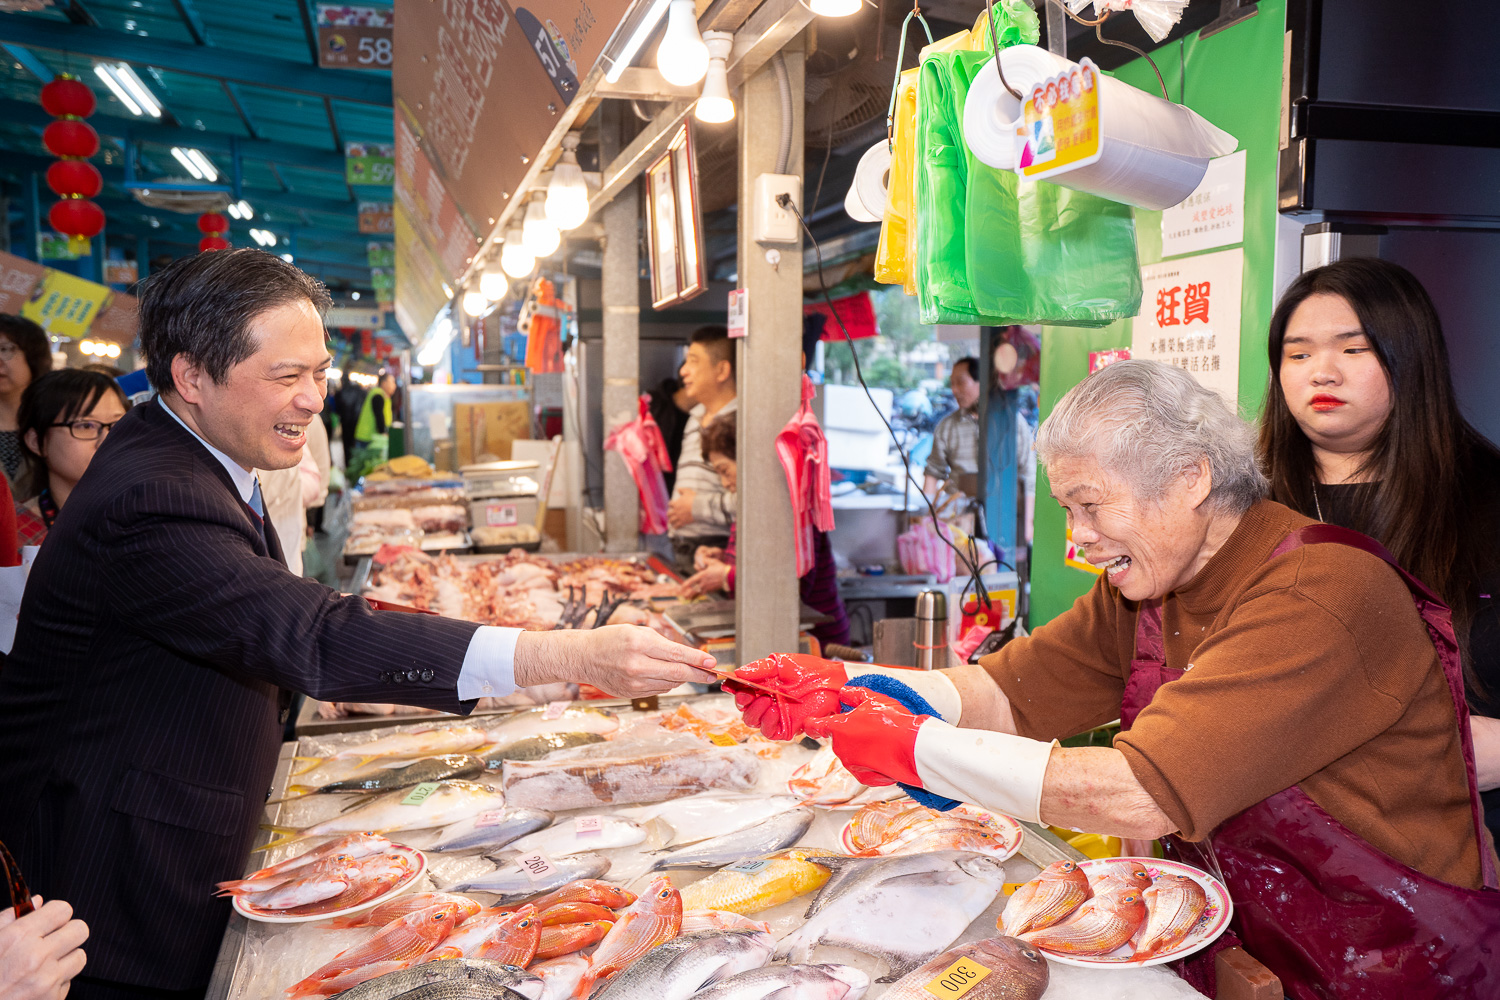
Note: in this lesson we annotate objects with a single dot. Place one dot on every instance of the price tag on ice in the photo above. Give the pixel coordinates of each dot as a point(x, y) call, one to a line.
point(490, 817)
point(554, 710)
point(535, 865)
point(419, 794)
point(722, 740)
point(588, 824)
point(747, 867)
point(957, 979)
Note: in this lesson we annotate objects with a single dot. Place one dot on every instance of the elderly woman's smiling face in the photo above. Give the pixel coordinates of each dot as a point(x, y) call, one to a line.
point(1148, 547)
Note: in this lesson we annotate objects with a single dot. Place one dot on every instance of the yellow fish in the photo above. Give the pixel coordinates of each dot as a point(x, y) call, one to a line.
point(781, 876)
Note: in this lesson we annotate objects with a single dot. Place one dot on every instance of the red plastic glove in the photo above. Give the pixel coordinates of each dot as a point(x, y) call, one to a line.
point(812, 681)
point(877, 741)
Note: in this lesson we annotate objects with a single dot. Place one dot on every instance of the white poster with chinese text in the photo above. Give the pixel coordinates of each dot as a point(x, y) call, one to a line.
point(1213, 215)
point(1190, 318)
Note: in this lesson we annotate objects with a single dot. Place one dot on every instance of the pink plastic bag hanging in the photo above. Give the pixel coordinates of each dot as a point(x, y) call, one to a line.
point(803, 451)
point(641, 445)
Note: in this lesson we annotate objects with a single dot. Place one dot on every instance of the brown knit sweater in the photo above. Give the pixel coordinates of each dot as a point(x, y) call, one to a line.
point(1312, 669)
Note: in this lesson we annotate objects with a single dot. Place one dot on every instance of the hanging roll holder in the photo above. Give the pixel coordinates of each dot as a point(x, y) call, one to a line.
point(890, 111)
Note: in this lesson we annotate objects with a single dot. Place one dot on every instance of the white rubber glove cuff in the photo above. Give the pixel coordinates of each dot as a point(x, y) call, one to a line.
point(930, 684)
point(994, 770)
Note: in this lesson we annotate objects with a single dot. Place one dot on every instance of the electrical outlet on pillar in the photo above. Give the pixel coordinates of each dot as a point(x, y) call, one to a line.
point(769, 222)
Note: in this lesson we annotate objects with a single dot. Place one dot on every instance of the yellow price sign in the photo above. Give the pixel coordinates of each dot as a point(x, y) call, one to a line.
point(957, 979)
point(722, 740)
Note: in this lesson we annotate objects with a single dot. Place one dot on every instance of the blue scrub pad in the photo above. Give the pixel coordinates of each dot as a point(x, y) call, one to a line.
point(916, 705)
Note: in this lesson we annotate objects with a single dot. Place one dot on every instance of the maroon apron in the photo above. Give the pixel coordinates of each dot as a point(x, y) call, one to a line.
point(1330, 915)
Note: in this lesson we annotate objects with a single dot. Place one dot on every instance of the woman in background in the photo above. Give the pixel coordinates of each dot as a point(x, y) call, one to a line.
point(25, 354)
point(64, 417)
point(1362, 430)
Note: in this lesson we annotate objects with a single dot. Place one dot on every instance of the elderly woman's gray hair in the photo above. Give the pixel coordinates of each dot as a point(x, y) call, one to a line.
point(1149, 423)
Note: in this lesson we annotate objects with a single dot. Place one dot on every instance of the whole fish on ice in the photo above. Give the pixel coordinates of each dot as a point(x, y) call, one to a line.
point(535, 747)
point(486, 975)
point(584, 782)
point(423, 743)
point(694, 921)
point(548, 721)
point(902, 909)
point(450, 802)
point(586, 890)
point(655, 917)
point(565, 939)
point(791, 982)
point(769, 835)
point(581, 834)
point(710, 814)
point(515, 885)
point(681, 967)
point(753, 888)
point(402, 939)
point(1017, 971)
point(491, 829)
point(507, 938)
point(388, 779)
point(400, 907)
point(561, 975)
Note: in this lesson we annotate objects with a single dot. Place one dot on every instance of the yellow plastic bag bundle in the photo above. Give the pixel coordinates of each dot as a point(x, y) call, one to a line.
point(898, 231)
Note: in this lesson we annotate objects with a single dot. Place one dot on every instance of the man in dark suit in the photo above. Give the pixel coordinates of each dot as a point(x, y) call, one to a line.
point(142, 704)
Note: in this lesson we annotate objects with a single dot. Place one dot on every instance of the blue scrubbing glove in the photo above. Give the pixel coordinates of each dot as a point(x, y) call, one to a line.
point(916, 705)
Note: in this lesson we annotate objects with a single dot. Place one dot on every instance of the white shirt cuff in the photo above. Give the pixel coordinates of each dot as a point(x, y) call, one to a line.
point(489, 669)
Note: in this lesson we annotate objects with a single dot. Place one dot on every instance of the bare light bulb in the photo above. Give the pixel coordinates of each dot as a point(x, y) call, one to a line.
point(682, 57)
point(538, 232)
point(567, 193)
point(475, 303)
point(515, 259)
point(714, 104)
point(493, 284)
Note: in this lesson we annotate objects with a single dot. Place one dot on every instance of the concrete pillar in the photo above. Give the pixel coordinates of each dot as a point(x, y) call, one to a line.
point(622, 348)
point(768, 368)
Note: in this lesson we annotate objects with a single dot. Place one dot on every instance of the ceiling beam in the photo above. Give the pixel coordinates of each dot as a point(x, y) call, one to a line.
point(289, 154)
point(28, 59)
point(190, 18)
point(217, 63)
point(309, 29)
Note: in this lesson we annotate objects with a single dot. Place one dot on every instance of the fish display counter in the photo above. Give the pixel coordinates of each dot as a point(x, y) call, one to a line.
point(571, 851)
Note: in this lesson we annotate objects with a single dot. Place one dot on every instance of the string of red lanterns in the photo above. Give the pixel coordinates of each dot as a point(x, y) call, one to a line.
point(73, 179)
point(213, 225)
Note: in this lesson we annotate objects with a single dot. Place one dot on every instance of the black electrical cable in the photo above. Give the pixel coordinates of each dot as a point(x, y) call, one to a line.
point(786, 203)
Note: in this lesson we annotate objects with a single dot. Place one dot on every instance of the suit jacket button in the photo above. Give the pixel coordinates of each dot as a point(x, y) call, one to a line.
point(426, 675)
point(412, 676)
point(396, 677)
point(385, 676)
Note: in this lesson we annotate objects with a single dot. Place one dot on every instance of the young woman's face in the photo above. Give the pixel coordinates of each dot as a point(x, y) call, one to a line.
point(15, 373)
point(1334, 384)
point(65, 454)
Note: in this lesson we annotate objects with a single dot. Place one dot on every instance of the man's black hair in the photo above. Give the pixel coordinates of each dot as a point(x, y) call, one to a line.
point(715, 340)
point(971, 363)
point(202, 307)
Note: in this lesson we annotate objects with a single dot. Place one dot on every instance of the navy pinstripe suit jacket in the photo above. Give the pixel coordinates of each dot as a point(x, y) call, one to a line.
point(139, 719)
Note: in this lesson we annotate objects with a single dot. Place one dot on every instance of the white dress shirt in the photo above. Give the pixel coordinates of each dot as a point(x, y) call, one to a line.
point(489, 664)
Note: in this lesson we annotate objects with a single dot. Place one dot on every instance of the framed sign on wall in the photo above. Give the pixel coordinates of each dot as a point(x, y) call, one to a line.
point(674, 225)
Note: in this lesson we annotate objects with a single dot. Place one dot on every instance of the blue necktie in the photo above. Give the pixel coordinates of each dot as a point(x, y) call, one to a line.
point(259, 507)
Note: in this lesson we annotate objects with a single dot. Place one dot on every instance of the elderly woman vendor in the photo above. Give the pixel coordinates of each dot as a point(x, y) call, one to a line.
point(1283, 703)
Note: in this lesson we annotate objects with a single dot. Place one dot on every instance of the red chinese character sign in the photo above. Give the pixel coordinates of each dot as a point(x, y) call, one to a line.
point(1190, 318)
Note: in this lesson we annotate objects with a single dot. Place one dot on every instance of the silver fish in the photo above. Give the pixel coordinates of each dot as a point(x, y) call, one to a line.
point(901, 909)
point(711, 814)
point(791, 982)
point(574, 836)
point(491, 829)
point(687, 964)
point(514, 885)
point(536, 747)
point(389, 779)
point(491, 975)
point(447, 803)
point(764, 837)
point(1017, 971)
point(461, 989)
point(535, 722)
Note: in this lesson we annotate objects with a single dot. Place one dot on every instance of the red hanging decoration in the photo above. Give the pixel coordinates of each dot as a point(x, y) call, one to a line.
point(74, 179)
point(214, 225)
point(73, 140)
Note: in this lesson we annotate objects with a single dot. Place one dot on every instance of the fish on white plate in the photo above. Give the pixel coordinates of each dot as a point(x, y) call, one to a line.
point(710, 814)
point(825, 781)
point(903, 910)
point(550, 720)
point(420, 808)
point(513, 884)
point(782, 830)
point(687, 964)
point(491, 829)
point(791, 982)
point(331, 879)
point(353, 846)
point(580, 835)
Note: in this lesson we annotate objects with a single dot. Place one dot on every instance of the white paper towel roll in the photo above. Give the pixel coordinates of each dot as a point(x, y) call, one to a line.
point(872, 178)
point(1154, 152)
point(857, 209)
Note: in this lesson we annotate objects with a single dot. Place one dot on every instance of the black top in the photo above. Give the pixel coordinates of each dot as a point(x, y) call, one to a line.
point(671, 420)
point(11, 455)
point(1336, 503)
point(141, 705)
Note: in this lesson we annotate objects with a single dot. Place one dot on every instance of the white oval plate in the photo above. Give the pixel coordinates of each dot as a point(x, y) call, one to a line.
point(1209, 926)
point(863, 797)
point(1008, 832)
point(419, 868)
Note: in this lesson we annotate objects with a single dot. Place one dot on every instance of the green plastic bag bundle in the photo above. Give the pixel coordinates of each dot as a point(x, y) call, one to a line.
point(993, 249)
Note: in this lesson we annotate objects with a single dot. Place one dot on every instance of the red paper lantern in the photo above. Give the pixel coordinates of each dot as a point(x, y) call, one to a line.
point(68, 96)
point(77, 218)
point(213, 223)
point(213, 243)
point(71, 137)
point(74, 178)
